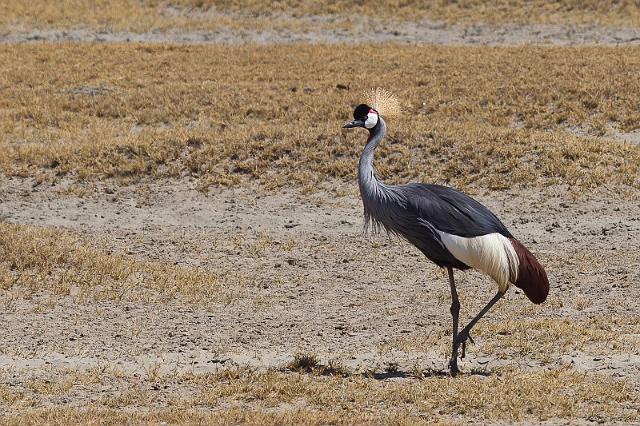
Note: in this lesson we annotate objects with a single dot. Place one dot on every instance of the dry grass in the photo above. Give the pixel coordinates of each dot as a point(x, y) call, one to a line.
point(138, 16)
point(544, 340)
point(225, 416)
point(309, 363)
point(215, 14)
point(303, 362)
point(542, 395)
point(547, 338)
point(624, 12)
point(35, 259)
point(494, 117)
point(273, 397)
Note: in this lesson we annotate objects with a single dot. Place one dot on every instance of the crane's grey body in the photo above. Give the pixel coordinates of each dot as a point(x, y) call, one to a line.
point(418, 211)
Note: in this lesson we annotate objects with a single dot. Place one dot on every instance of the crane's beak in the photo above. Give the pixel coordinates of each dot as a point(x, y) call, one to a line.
point(354, 123)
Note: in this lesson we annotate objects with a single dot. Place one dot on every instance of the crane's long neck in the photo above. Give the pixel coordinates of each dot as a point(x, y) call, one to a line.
point(369, 183)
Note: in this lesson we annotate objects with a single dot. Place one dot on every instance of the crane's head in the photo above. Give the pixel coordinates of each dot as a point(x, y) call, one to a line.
point(384, 104)
point(363, 116)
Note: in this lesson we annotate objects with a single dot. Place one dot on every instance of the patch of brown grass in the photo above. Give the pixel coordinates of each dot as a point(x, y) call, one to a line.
point(8, 397)
point(272, 397)
point(224, 416)
point(37, 259)
point(309, 363)
point(146, 16)
point(303, 362)
point(293, 14)
point(560, 393)
point(543, 338)
point(228, 115)
point(624, 12)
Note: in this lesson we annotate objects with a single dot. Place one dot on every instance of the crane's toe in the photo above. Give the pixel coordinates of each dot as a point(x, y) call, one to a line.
point(461, 339)
point(463, 336)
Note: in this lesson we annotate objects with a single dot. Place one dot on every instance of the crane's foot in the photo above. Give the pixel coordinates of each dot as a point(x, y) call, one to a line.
point(461, 339)
point(453, 366)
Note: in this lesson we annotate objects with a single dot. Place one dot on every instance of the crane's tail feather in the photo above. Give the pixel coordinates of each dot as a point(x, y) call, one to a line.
point(532, 278)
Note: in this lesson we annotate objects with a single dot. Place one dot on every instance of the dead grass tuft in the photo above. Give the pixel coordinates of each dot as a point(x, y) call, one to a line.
point(303, 362)
point(309, 363)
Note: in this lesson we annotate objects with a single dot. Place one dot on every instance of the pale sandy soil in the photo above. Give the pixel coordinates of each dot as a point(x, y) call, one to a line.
point(304, 279)
point(361, 31)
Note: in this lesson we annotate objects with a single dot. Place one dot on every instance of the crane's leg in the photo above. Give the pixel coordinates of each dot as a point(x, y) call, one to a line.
point(455, 312)
point(464, 333)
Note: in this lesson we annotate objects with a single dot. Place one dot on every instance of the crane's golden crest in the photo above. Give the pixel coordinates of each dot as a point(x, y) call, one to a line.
point(383, 101)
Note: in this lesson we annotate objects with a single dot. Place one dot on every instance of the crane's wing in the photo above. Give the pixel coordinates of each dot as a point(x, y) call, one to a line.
point(451, 211)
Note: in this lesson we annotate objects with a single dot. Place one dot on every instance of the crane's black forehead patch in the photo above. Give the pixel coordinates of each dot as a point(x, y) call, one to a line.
point(361, 111)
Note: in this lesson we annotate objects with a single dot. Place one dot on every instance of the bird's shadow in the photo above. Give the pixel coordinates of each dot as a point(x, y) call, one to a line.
point(309, 365)
point(394, 374)
point(425, 374)
point(386, 375)
point(432, 372)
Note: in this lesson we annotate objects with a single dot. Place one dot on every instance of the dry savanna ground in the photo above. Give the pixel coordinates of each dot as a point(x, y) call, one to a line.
point(180, 229)
point(231, 115)
point(304, 15)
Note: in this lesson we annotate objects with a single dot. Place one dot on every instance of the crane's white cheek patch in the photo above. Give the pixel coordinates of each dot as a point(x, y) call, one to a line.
point(492, 254)
point(372, 120)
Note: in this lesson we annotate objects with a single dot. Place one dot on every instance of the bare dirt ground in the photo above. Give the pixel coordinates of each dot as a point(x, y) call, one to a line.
point(302, 278)
point(363, 31)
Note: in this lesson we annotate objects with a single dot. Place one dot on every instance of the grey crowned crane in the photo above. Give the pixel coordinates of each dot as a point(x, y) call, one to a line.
point(450, 228)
